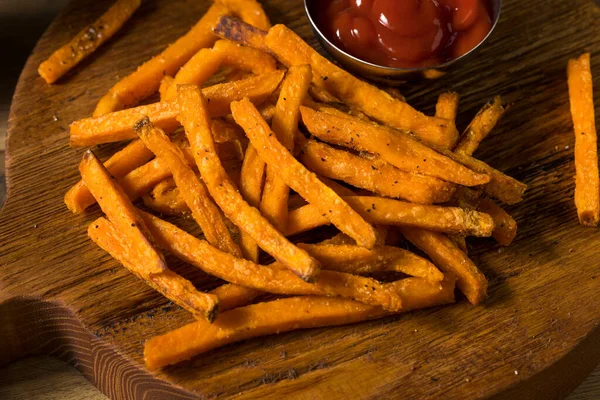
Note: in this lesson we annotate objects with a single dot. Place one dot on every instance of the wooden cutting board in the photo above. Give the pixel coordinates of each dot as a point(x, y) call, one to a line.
point(535, 336)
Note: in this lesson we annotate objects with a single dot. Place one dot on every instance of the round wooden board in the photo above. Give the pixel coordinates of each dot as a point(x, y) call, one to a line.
point(535, 336)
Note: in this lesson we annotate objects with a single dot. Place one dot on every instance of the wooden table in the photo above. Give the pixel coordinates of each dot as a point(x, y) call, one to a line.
point(43, 377)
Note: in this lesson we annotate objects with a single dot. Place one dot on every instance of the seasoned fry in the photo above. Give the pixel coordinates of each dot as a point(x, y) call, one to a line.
point(194, 118)
point(224, 53)
point(449, 258)
point(485, 120)
point(357, 260)
point(447, 105)
point(174, 287)
point(339, 239)
point(250, 11)
point(297, 177)
point(396, 148)
point(587, 180)
point(505, 227)
point(291, 50)
point(118, 126)
point(375, 175)
point(377, 210)
point(237, 31)
point(233, 296)
point(281, 316)
point(88, 40)
point(251, 187)
point(119, 210)
point(132, 156)
point(274, 202)
point(272, 279)
point(166, 199)
point(146, 79)
point(165, 84)
point(193, 190)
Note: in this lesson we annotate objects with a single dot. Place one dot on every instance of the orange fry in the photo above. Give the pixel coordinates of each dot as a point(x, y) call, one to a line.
point(449, 258)
point(251, 187)
point(174, 287)
point(145, 81)
point(250, 11)
point(196, 121)
point(271, 278)
point(374, 175)
point(274, 203)
point(233, 296)
point(505, 227)
point(120, 212)
point(587, 180)
point(483, 123)
point(377, 210)
point(118, 126)
point(394, 147)
point(88, 40)
point(357, 260)
point(447, 106)
point(281, 316)
point(132, 156)
point(194, 192)
point(297, 177)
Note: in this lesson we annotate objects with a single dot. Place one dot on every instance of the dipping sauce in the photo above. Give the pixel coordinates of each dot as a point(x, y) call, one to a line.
point(405, 33)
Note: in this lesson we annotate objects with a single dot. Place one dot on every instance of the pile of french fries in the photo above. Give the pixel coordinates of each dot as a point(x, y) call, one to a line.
point(312, 145)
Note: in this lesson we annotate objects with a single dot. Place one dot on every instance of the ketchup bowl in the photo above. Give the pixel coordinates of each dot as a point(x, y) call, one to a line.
point(394, 41)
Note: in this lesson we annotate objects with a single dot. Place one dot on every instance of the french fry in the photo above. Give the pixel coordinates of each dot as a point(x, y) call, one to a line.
point(146, 79)
point(235, 30)
point(281, 316)
point(207, 62)
point(118, 126)
point(250, 11)
point(505, 227)
point(394, 147)
point(587, 180)
point(449, 258)
point(119, 210)
point(274, 202)
point(291, 50)
point(357, 260)
point(339, 239)
point(166, 199)
point(459, 241)
point(374, 175)
point(194, 118)
point(251, 187)
point(297, 177)
point(194, 192)
point(88, 40)
point(273, 278)
point(339, 189)
point(132, 156)
point(233, 296)
point(485, 120)
point(165, 83)
point(447, 106)
point(174, 287)
point(377, 210)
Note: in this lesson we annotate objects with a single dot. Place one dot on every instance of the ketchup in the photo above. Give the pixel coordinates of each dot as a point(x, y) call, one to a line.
point(405, 33)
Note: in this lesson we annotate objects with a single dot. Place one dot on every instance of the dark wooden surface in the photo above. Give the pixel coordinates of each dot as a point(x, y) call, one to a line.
point(535, 336)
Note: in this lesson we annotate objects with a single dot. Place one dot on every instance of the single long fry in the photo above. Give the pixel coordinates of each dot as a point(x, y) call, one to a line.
point(118, 126)
point(281, 316)
point(194, 192)
point(274, 203)
point(233, 296)
point(273, 278)
point(196, 121)
point(587, 180)
point(483, 123)
point(120, 211)
point(250, 11)
point(376, 175)
point(251, 187)
point(291, 50)
point(207, 62)
point(132, 156)
point(357, 260)
point(297, 177)
point(377, 210)
point(447, 106)
point(174, 287)
point(88, 40)
point(235, 30)
point(505, 227)
point(146, 79)
point(449, 258)
point(394, 147)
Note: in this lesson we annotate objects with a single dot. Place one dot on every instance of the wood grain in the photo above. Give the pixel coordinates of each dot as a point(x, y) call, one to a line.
point(535, 336)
